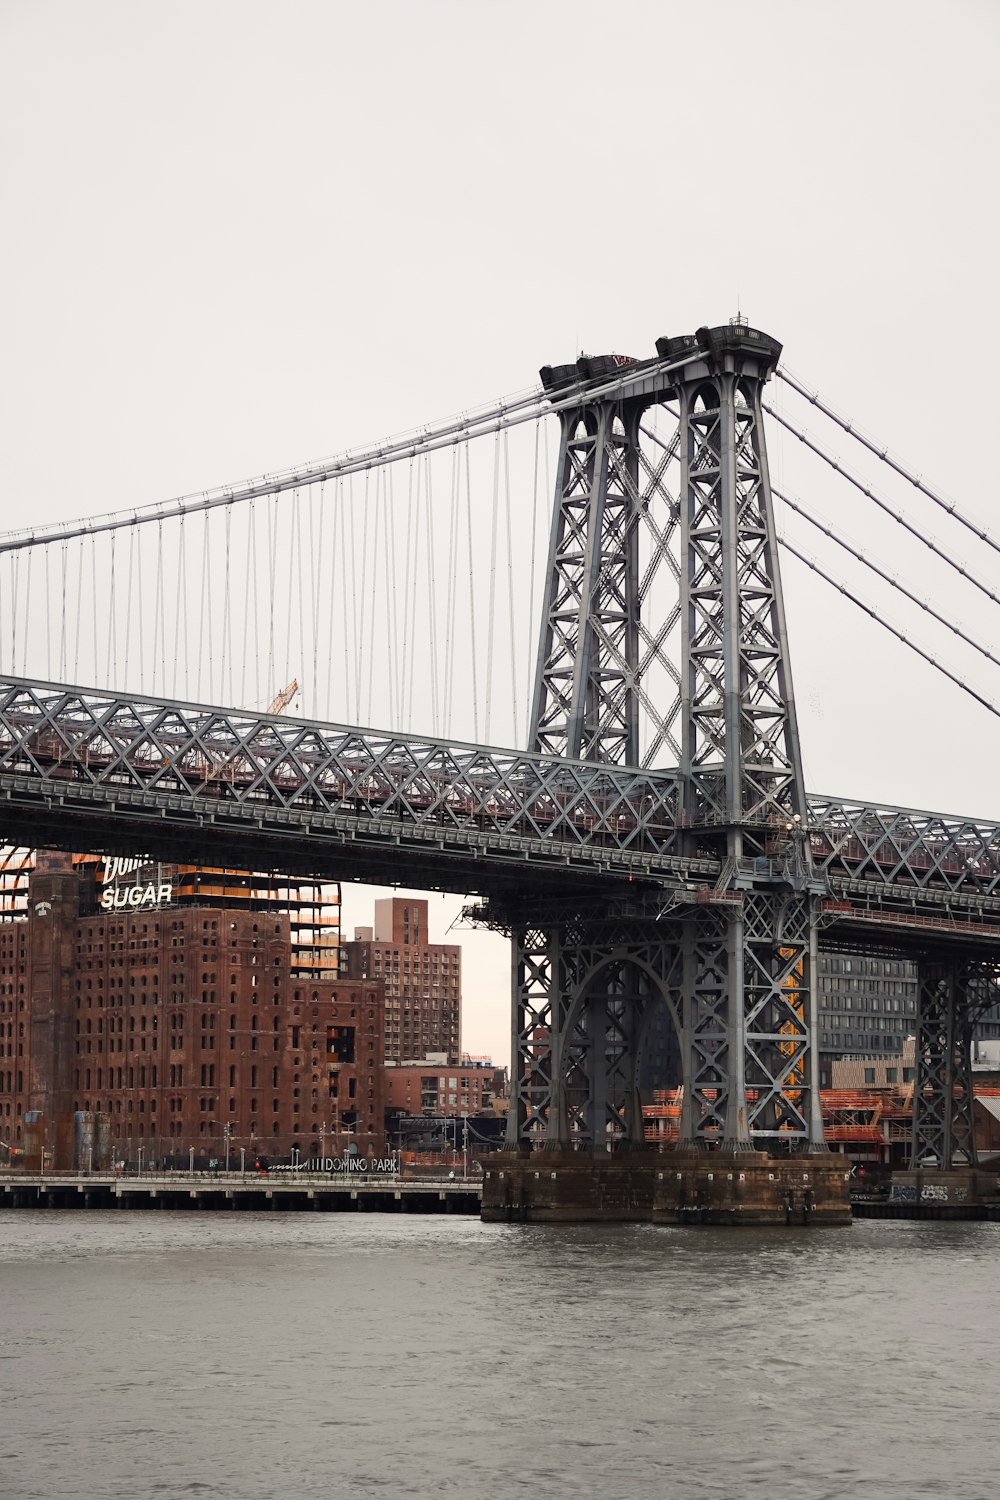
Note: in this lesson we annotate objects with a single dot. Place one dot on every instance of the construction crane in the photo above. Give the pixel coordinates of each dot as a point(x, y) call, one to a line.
point(282, 699)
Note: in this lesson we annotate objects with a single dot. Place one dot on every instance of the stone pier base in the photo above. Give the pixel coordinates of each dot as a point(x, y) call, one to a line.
point(734, 1188)
point(751, 1188)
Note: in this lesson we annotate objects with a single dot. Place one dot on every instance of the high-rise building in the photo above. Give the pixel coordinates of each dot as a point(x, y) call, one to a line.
point(173, 1015)
point(868, 1008)
point(423, 980)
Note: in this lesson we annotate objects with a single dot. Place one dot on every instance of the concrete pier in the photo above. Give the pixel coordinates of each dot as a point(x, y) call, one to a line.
point(936, 1193)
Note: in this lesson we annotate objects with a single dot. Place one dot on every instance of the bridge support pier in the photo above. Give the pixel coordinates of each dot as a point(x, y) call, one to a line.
point(951, 1193)
point(675, 1187)
point(738, 987)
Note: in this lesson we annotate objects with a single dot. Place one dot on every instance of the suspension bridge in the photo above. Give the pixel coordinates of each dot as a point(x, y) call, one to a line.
point(654, 843)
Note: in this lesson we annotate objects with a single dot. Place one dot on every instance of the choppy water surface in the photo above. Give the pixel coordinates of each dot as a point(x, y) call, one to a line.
point(162, 1355)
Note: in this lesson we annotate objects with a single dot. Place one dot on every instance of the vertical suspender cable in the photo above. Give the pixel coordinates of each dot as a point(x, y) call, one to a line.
point(431, 592)
point(15, 578)
point(300, 674)
point(48, 620)
point(316, 554)
point(256, 601)
point(345, 695)
point(493, 585)
point(249, 588)
point(112, 637)
point(79, 599)
point(392, 624)
point(452, 580)
point(156, 604)
point(331, 593)
point(532, 564)
point(227, 623)
point(355, 612)
point(205, 633)
point(138, 605)
point(26, 634)
point(292, 549)
point(411, 636)
point(63, 564)
point(161, 596)
point(180, 612)
point(128, 609)
point(98, 674)
point(374, 592)
point(272, 580)
point(510, 586)
point(407, 565)
point(472, 596)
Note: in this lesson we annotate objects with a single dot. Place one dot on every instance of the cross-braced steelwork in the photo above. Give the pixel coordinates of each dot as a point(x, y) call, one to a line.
point(607, 684)
point(740, 748)
point(653, 847)
point(952, 997)
point(703, 505)
point(585, 986)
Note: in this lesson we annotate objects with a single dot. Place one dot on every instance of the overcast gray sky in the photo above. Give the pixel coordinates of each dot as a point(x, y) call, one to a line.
point(239, 235)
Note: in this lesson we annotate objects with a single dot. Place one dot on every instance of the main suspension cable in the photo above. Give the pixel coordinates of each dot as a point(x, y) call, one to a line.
point(873, 614)
point(880, 572)
point(884, 455)
point(527, 407)
point(882, 504)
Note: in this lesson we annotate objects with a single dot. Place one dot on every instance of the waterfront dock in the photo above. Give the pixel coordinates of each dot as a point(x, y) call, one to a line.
point(287, 1192)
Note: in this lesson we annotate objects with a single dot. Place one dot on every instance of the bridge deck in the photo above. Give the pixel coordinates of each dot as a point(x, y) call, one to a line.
point(86, 770)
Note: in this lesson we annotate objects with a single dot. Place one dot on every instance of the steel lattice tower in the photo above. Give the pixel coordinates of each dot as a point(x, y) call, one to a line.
point(663, 635)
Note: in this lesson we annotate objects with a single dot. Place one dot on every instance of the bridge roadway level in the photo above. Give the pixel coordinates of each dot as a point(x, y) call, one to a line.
point(235, 1192)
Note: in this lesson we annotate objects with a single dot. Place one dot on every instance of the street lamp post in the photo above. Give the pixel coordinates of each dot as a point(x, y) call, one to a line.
point(227, 1131)
point(139, 1173)
point(191, 1160)
point(243, 1161)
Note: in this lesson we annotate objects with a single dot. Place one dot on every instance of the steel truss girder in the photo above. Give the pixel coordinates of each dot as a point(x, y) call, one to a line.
point(952, 996)
point(158, 756)
point(153, 760)
point(903, 847)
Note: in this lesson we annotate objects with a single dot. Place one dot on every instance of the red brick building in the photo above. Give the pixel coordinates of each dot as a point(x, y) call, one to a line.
point(423, 980)
point(439, 1088)
point(171, 1028)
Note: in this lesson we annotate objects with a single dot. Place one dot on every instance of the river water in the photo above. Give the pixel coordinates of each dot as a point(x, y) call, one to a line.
point(146, 1356)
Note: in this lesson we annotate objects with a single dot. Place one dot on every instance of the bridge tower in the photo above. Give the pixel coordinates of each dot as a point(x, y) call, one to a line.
point(663, 635)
